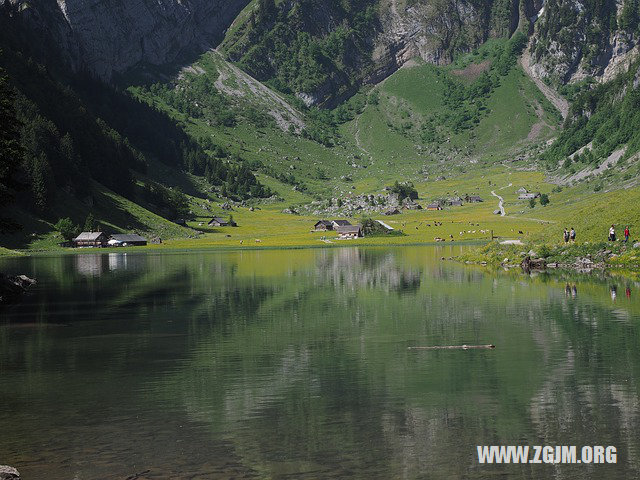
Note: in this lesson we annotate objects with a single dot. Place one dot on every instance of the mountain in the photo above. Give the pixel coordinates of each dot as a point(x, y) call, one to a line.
point(148, 111)
point(578, 40)
point(108, 37)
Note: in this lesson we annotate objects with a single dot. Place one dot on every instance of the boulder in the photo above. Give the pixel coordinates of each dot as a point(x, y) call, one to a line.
point(8, 473)
point(12, 288)
point(529, 264)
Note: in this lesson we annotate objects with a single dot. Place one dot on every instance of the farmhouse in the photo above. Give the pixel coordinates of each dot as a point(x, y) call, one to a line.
point(528, 196)
point(323, 226)
point(392, 211)
point(340, 223)
point(434, 206)
point(522, 190)
point(90, 239)
point(221, 222)
point(473, 199)
point(127, 239)
point(347, 232)
point(455, 203)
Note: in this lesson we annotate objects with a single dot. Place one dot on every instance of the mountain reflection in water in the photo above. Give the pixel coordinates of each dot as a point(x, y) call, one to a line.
point(294, 364)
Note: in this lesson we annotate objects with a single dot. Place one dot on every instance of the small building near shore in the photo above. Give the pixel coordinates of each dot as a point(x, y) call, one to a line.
point(221, 222)
point(348, 232)
point(323, 226)
point(434, 206)
point(91, 239)
point(388, 228)
point(528, 196)
point(340, 223)
point(127, 240)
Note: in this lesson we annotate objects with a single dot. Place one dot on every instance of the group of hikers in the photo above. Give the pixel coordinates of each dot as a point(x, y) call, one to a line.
point(612, 234)
point(571, 234)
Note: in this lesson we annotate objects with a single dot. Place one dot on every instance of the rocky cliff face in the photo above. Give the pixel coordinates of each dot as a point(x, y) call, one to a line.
point(571, 40)
point(110, 36)
point(435, 30)
point(577, 39)
point(269, 47)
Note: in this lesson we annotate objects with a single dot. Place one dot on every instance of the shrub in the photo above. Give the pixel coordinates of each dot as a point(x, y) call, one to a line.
point(544, 199)
point(67, 228)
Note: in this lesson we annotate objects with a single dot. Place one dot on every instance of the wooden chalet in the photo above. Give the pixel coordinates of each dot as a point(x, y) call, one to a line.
point(528, 196)
point(323, 226)
point(91, 239)
point(473, 199)
point(348, 232)
point(221, 222)
point(434, 206)
point(340, 223)
point(392, 211)
point(127, 239)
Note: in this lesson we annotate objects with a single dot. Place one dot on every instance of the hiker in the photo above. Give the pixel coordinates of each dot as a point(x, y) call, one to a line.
point(572, 235)
point(612, 234)
point(626, 234)
point(566, 236)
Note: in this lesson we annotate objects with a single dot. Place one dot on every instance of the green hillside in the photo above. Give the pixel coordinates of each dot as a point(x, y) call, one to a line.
point(221, 131)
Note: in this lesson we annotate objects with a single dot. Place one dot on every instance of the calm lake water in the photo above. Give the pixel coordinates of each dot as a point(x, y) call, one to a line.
point(294, 365)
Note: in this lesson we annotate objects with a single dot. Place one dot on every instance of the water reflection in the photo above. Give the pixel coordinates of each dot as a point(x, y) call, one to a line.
point(295, 365)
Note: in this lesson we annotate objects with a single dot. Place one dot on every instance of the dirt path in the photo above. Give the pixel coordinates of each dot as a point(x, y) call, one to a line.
point(356, 135)
point(500, 203)
point(554, 97)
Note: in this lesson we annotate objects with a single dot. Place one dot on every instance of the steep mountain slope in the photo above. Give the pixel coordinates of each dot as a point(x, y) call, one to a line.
point(323, 51)
point(579, 39)
point(107, 37)
point(85, 147)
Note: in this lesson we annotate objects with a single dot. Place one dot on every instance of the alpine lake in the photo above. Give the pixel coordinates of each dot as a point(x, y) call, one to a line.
point(295, 364)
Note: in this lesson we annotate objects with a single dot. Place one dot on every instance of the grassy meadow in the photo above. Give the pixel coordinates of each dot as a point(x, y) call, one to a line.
point(403, 132)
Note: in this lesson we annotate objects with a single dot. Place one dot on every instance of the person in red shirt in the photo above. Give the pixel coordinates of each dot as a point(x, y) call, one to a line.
point(626, 234)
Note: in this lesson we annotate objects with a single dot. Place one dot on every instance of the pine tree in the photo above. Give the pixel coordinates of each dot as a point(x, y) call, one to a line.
point(39, 181)
point(90, 223)
point(10, 150)
point(629, 15)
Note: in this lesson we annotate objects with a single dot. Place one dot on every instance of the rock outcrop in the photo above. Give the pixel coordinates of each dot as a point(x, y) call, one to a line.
point(12, 288)
point(108, 37)
point(434, 31)
point(8, 473)
point(566, 48)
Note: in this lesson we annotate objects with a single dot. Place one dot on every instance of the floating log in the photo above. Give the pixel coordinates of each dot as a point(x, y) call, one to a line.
point(454, 347)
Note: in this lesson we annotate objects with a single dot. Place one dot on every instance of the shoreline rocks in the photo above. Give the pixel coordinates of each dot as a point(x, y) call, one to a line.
point(8, 473)
point(12, 288)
